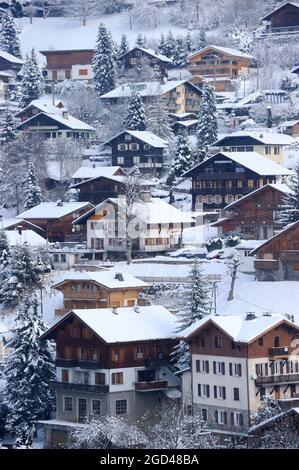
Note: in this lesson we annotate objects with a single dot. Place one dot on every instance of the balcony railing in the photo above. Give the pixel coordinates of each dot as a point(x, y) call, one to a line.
point(78, 387)
point(156, 362)
point(149, 386)
point(277, 379)
point(266, 264)
point(83, 364)
point(279, 351)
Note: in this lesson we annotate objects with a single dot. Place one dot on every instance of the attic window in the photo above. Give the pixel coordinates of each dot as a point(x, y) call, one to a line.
point(119, 277)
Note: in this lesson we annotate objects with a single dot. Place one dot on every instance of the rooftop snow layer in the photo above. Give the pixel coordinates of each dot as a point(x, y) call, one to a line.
point(258, 163)
point(26, 236)
point(88, 172)
point(145, 136)
point(108, 278)
point(225, 50)
point(266, 138)
point(11, 58)
point(50, 210)
point(144, 89)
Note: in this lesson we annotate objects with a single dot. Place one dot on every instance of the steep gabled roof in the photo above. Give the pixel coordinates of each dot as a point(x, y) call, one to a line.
point(288, 228)
point(150, 52)
point(224, 50)
point(11, 58)
point(110, 279)
point(265, 138)
point(269, 15)
point(69, 123)
point(123, 325)
point(51, 210)
point(88, 172)
point(145, 136)
point(282, 188)
point(252, 160)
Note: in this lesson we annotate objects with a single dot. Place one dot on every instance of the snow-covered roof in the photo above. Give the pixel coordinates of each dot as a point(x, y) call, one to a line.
point(11, 58)
point(127, 324)
point(26, 236)
point(249, 244)
point(188, 123)
point(224, 50)
point(110, 278)
point(145, 136)
point(277, 235)
point(266, 422)
point(266, 138)
point(51, 210)
point(146, 89)
point(11, 222)
point(88, 172)
point(289, 123)
point(70, 122)
point(238, 328)
point(295, 4)
point(158, 211)
point(253, 161)
point(282, 187)
point(150, 52)
point(5, 74)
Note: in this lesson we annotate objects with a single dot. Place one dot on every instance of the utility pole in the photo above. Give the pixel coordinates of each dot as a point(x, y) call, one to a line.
point(214, 298)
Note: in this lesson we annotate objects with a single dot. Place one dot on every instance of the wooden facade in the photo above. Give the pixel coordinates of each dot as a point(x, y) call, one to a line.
point(278, 258)
point(254, 217)
point(283, 19)
point(69, 64)
point(97, 190)
point(84, 294)
point(219, 181)
point(138, 57)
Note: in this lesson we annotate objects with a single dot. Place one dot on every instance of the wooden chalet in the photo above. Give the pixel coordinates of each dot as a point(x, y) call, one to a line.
point(96, 184)
point(20, 225)
point(290, 127)
point(254, 216)
point(179, 96)
point(278, 258)
point(9, 62)
point(227, 176)
point(99, 289)
point(141, 149)
point(56, 219)
point(138, 56)
point(73, 64)
point(113, 362)
point(220, 64)
point(184, 123)
point(52, 121)
point(282, 428)
point(284, 19)
point(268, 144)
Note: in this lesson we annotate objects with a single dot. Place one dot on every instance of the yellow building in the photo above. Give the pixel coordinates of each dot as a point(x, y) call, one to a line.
point(269, 144)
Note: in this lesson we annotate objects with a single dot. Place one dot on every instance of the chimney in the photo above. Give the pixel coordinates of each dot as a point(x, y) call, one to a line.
point(59, 203)
point(137, 309)
point(114, 310)
point(250, 316)
point(119, 277)
point(65, 114)
point(267, 314)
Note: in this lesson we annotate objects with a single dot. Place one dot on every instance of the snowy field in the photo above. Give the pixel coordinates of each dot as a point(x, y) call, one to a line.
point(68, 33)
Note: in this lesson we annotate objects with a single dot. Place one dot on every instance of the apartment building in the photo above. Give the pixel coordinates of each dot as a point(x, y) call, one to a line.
point(112, 362)
point(236, 361)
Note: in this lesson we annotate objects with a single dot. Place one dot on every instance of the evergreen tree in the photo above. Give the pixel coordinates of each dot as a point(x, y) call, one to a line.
point(207, 128)
point(32, 191)
point(141, 40)
point(7, 133)
point(103, 64)
point(32, 84)
point(4, 249)
point(9, 41)
point(179, 56)
point(289, 209)
point(269, 117)
point(135, 117)
point(183, 159)
point(124, 45)
point(188, 42)
point(201, 40)
point(158, 120)
point(161, 45)
point(268, 408)
point(28, 371)
point(169, 45)
point(21, 275)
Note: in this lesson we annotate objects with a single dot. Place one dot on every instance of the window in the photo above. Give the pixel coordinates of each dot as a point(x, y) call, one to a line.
point(96, 407)
point(204, 414)
point(276, 150)
point(82, 354)
point(250, 184)
point(259, 369)
point(146, 147)
point(63, 258)
point(83, 72)
point(240, 184)
point(82, 408)
point(233, 345)
point(86, 377)
point(219, 368)
point(203, 342)
point(134, 147)
point(203, 390)
point(236, 394)
point(120, 160)
point(138, 353)
point(94, 354)
point(117, 354)
point(219, 392)
point(68, 404)
point(267, 149)
point(122, 147)
point(99, 378)
point(217, 342)
point(117, 378)
point(235, 369)
point(65, 375)
point(237, 419)
point(121, 407)
point(56, 259)
point(276, 342)
point(261, 341)
point(136, 160)
point(220, 417)
point(202, 366)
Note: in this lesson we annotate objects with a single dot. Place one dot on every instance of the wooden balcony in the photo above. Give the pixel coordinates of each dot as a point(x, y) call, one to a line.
point(282, 351)
point(83, 364)
point(266, 264)
point(78, 387)
point(277, 379)
point(60, 362)
point(90, 364)
point(151, 386)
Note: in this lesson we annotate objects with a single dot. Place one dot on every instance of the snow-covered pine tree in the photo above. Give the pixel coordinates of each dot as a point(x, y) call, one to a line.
point(4, 250)
point(21, 275)
point(289, 209)
point(169, 45)
point(183, 159)
point(32, 83)
point(161, 45)
point(124, 45)
point(179, 57)
point(207, 128)
point(32, 192)
point(201, 40)
point(268, 408)
point(103, 64)
point(141, 40)
point(158, 120)
point(9, 41)
point(135, 117)
point(188, 42)
point(28, 372)
point(7, 133)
